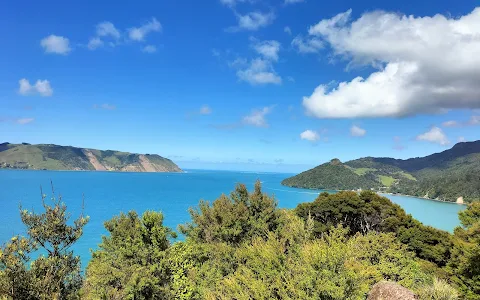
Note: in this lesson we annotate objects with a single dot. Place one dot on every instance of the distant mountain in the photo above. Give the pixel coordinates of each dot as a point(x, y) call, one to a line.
point(54, 157)
point(452, 175)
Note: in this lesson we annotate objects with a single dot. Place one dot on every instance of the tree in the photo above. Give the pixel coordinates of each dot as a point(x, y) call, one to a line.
point(368, 212)
point(57, 275)
point(54, 276)
point(233, 219)
point(16, 282)
point(464, 264)
point(131, 262)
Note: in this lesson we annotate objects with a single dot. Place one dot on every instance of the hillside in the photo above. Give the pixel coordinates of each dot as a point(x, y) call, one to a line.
point(448, 175)
point(54, 157)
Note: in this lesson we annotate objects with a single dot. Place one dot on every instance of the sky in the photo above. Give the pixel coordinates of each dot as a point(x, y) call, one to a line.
point(254, 85)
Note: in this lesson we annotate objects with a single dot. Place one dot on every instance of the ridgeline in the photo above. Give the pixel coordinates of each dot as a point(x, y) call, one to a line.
point(452, 175)
point(55, 157)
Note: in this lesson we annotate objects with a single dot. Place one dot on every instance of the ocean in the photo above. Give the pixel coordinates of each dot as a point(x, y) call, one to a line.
point(106, 194)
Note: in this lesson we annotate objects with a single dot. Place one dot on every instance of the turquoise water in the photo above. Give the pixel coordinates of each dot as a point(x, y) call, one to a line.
point(107, 194)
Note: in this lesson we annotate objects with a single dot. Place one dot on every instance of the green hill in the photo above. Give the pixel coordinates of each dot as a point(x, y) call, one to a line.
point(332, 175)
point(55, 157)
point(449, 176)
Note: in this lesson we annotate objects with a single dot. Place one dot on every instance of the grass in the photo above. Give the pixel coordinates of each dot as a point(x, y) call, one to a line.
point(407, 175)
point(363, 171)
point(386, 180)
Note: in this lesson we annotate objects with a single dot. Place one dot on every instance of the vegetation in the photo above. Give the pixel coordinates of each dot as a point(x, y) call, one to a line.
point(55, 274)
point(332, 175)
point(445, 176)
point(242, 246)
point(54, 157)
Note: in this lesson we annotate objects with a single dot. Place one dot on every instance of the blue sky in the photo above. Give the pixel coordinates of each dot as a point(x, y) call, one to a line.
point(242, 85)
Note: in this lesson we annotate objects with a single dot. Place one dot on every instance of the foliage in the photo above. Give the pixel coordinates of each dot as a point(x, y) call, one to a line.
point(16, 282)
point(54, 276)
point(244, 247)
point(131, 262)
point(233, 219)
point(332, 175)
point(443, 176)
point(438, 290)
point(367, 212)
point(464, 265)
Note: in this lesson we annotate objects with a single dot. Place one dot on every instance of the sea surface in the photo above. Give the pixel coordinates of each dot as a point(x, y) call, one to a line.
point(106, 194)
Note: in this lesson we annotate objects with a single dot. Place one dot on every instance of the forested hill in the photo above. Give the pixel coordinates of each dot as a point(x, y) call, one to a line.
point(452, 175)
point(55, 157)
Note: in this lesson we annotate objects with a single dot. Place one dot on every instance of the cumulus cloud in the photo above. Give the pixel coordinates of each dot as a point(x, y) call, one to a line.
point(426, 65)
point(23, 121)
point(310, 135)
point(252, 21)
point(104, 106)
point(268, 49)
point(95, 43)
point(461, 139)
point(310, 45)
point(41, 87)
point(56, 44)
point(473, 121)
point(257, 117)
point(434, 135)
point(259, 71)
point(287, 30)
point(357, 131)
point(106, 29)
point(138, 34)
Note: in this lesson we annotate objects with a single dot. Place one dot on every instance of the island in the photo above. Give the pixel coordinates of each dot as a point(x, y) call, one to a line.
point(452, 175)
point(55, 157)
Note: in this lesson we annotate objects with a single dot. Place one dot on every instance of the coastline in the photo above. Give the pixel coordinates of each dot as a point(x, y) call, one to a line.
point(380, 193)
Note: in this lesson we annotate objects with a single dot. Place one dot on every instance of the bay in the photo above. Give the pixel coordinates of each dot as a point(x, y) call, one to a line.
point(106, 194)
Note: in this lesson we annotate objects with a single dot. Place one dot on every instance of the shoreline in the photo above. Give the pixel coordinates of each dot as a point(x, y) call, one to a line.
point(380, 193)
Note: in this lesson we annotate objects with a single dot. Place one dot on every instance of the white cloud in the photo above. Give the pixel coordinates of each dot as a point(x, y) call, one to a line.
point(450, 124)
point(357, 131)
point(434, 135)
point(107, 29)
point(24, 121)
point(95, 43)
point(287, 30)
point(461, 139)
point(149, 49)
point(253, 21)
point(205, 110)
point(232, 3)
point(259, 71)
point(474, 120)
point(257, 117)
point(41, 87)
point(310, 45)
point(268, 49)
point(426, 65)
point(56, 44)
point(310, 135)
point(139, 33)
point(293, 1)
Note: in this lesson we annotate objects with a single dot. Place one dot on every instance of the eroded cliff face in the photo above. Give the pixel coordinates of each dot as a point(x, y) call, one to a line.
point(139, 163)
point(55, 157)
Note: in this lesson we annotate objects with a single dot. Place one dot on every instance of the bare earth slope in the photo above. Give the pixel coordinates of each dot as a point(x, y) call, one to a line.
point(55, 157)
